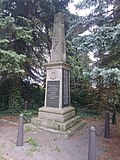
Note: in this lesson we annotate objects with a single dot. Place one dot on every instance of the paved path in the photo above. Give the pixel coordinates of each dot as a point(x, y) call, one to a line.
point(47, 147)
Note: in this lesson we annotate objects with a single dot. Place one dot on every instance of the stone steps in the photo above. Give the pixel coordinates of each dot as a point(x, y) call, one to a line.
point(57, 133)
point(75, 128)
point(69, 123)
point(65, 129)
point(46, 123)
point(56, 125)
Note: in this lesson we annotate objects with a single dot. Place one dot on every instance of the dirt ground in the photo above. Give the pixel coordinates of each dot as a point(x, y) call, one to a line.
point(41, 146)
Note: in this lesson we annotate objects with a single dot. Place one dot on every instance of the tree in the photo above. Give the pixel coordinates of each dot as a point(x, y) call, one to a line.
point(103, 40)
point(107, 82)
point(34, 19)
point(103, 24)
point(25, 39)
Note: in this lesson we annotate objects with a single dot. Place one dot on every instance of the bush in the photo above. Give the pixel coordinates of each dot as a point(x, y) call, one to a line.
point(4, 95)
point(13, 95)
point(15, 99)
point(83, 97)
point(33, 94)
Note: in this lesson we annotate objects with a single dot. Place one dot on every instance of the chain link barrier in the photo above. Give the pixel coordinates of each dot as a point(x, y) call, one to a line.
point(28, 119)
point(99, 135)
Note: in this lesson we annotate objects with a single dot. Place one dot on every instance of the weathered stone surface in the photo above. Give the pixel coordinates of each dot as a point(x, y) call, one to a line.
point(57, 133)
point(70, 123)
point(58, 41)
point(46, 123)
point(55, 75)
point(53, 65)
point(57, 93)
point(56, 117)
point(56, 110)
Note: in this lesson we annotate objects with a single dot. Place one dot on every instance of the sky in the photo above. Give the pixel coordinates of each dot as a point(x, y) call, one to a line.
point(81, 12)
point(85, 12)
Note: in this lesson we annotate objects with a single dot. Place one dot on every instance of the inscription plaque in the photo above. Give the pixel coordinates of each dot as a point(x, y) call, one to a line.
point(53, 88)
point(65, 88)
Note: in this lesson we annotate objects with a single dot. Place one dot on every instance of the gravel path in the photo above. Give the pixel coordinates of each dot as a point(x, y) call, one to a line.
point(41, 146)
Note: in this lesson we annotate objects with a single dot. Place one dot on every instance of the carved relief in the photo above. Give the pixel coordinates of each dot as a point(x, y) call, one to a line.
point(53, 74)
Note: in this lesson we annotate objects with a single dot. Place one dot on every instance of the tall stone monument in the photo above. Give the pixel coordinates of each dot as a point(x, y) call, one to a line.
point(57, 115)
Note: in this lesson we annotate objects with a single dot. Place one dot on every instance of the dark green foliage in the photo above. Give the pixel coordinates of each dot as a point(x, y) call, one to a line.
point(15, 99)
point(84, 99)
point(11, 60)
point(82, 95)
point(4, 95)
point(30, 32)
point(86, 112)
point(25, 44)
point(33, 94)
point(79, 98)
point(103, 24)
point(13, 95)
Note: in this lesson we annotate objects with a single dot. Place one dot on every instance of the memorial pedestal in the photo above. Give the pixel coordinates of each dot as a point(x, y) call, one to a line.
point(57, 94)
point(57, 116)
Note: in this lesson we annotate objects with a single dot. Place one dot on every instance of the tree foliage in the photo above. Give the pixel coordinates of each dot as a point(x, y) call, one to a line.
point(11, 60)
point(25, 41)
point(26, 38)
point(30, 30)
point(103, 24)
point(103, 40)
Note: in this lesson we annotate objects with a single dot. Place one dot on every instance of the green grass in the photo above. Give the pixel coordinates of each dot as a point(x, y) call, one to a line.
point(27, 129)
point(33, 143)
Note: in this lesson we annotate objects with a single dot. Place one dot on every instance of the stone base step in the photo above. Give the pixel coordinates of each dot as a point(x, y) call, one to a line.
point(56, 125)
point(46, 123)
point(57, 116)
point(70, 123)
point(58, 133)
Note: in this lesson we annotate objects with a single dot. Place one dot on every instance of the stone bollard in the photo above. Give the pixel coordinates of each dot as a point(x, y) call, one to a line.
point(114, 117)
point(107, 126)
point(20, 136)
point(92, 144)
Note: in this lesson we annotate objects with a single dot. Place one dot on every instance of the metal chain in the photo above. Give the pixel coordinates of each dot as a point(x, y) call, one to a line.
point(99, 135)
point(26, 118)
point(29, 120)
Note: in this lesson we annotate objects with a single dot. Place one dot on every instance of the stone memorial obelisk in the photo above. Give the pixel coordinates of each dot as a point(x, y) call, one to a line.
point(57, 115)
